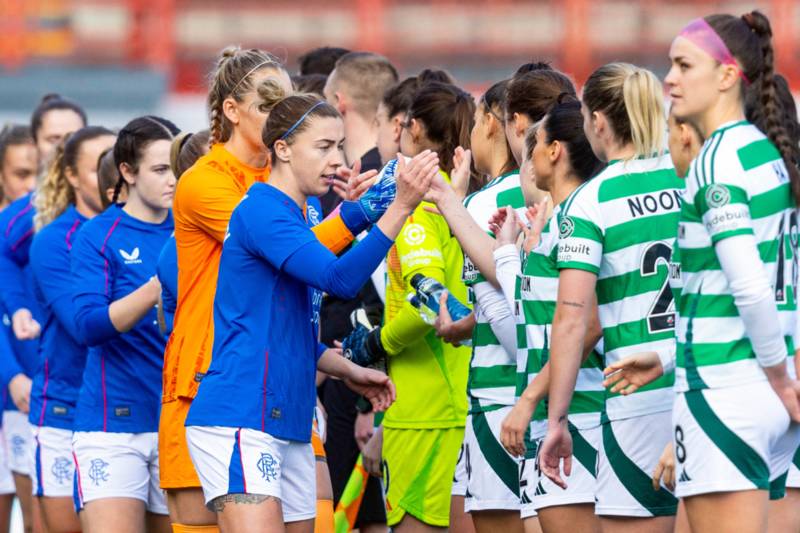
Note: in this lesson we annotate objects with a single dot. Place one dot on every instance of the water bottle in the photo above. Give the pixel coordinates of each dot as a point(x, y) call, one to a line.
point(429, 291)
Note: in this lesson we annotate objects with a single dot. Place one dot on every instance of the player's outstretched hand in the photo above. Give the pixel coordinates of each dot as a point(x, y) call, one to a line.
point(351, 183)
point(414, 178)
point(460, 175)
point(375, 386)
point(627, 375)
point(557, 447)
point(514, 426)
point(452, 332)
point(665, 469)
point(25, 327)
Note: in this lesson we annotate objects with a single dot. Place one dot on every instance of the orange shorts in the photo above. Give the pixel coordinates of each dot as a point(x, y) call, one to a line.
point(175, 465)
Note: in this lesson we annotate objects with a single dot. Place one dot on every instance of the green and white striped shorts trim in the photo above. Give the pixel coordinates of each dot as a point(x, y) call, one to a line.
point(539, 492)
point(732, 439)
point(492, 473)
point(628, 455)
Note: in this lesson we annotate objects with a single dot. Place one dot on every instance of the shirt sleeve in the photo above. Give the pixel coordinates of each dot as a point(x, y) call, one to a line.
point(333, 233)
point(286, 242)
point(50, 262)
point(12, 278)
point(724, 209)
point(9, 366)
point(207, 201)
point(580, 234)
point(167, 271)
point(91, 276)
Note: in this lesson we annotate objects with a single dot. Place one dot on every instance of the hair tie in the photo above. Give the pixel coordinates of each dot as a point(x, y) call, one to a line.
point(565, 98)
point(707, 39)
point(300, 120)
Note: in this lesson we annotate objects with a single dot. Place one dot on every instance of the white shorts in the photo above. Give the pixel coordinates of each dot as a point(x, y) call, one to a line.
point(492, 473)
point(628, 454)
point(581, 483)
point(245, 461)
point(793, 478)
point(19, 441)
point(51, 462)
point(733, 439)
point(117, 465)
point(460, 476)
point(6, 479)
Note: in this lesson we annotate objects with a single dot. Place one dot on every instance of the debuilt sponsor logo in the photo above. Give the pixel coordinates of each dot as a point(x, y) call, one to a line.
point(566, 251)
point(419, 257)
point(728, 219)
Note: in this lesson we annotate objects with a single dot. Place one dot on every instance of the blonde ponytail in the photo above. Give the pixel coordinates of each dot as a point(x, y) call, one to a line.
point(55, 193)
point(633, 101)
point(644, 101)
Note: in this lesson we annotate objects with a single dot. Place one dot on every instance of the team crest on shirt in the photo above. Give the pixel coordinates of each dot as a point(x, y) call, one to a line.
point(414, 234)
point(267, 465)
point(62, 470)
point(313, 215)
point(717, 196)
point(97, 471)
point(131, 258)
point(565, 227)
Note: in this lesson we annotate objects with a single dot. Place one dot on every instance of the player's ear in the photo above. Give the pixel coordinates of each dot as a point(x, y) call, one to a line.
point(127, 173)
point(283, 152)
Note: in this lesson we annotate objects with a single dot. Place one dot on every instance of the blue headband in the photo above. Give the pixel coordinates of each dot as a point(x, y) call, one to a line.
point(300, 120)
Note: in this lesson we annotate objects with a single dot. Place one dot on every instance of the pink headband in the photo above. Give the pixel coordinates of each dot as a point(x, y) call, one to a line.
point(703, 35)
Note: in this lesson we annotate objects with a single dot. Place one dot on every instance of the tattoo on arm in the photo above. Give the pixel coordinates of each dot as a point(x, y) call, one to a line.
point(217, 505)
point(571, 304)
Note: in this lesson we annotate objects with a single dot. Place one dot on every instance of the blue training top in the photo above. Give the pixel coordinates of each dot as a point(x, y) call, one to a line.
point(167, 271)
point(62, 355)
point(17, 288)
point(113, 255)
point(265, 339)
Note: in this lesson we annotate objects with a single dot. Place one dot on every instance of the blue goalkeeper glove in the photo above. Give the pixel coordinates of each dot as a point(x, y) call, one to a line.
point(363, 346)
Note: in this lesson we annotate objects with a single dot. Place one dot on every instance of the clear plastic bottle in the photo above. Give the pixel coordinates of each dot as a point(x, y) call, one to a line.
point(426, 299)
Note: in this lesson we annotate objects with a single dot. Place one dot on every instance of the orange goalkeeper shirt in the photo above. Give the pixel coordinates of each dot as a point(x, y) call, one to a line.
point(205, 197)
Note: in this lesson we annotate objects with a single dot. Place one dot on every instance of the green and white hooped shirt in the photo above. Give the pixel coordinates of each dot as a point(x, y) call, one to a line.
point(535, 303)
point(737, 185)
point(621, 225)
point(492, 373)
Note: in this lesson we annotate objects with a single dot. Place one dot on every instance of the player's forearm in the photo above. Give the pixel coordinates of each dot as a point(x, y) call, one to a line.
point(474, 241)
point(333, 233)
point(126, 312)
point(566, 354)
point(406, 328)
point(333, 364)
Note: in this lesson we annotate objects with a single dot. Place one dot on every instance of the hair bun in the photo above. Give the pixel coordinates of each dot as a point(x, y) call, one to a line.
point(758, 23)
point(566, 98)
point(50, 97)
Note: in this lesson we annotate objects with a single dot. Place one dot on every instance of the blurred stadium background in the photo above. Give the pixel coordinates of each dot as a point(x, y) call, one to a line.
point(123, 57)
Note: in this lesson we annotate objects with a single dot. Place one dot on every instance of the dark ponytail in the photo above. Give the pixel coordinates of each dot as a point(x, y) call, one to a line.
point(564, 123)
point(133, 140)
point(749, 39)
point(448, 114)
